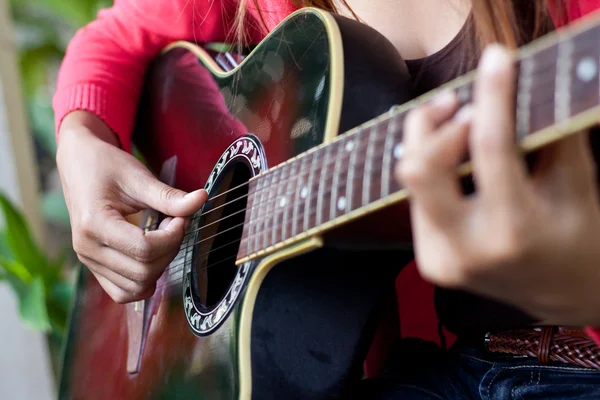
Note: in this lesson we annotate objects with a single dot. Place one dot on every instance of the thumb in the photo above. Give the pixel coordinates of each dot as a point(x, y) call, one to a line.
point(166, 199)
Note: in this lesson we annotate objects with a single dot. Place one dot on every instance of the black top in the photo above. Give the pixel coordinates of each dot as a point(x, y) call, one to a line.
point(461, 313)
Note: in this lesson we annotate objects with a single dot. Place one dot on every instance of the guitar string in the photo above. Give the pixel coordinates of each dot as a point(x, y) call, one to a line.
point(313, 197)
point(173, 268)
point(179, 273)
point(262, 175)
point(302, 172)
point(272, 227)
point(589, 42)
point(266, 229)
point(178, 267)
point(272, 199)
point(583, 46)
point(268, 172)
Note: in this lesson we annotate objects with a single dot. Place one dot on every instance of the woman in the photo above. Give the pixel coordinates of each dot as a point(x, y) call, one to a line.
point(495, 243)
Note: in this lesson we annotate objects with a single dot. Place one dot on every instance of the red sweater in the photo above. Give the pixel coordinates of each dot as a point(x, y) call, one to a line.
point(105, 62)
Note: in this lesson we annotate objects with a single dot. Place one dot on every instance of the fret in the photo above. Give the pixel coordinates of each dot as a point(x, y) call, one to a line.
point(262, 207)
point(524, 97)
point(292, 182)
point(337, 202)
point(379, 132)
point(562, 94)
point(280, 205)
point(309, 191)
point(351, 168)
point(260, 191)
point(355, 191)
point(386, 171)
point(541, 112)
point(269, 206)
point(323, 176)
point(253, 189)
point(366, 190)
point(301, 192)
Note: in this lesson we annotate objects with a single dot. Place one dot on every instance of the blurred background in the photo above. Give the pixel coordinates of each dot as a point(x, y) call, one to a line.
point(37, 264)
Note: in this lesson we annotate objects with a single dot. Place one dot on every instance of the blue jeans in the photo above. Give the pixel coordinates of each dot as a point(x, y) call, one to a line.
point(422, 371)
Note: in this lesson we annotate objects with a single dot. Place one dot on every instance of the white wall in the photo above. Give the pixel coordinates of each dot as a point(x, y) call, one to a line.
point(25, 371)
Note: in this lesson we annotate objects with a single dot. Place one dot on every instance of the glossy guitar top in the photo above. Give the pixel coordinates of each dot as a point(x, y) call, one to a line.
point(289, 94)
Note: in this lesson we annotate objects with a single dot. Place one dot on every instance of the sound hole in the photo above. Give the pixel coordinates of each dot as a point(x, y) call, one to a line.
point(221, 228)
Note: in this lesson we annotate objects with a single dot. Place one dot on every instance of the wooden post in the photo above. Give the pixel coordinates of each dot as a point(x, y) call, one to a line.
point(18, 174)
point(25, 368)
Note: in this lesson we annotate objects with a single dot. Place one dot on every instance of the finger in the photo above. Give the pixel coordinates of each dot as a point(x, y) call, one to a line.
point(117, 233)
point(119, 295)
point(120, 289)
point(499, 170)
point(429, 172)
point(422, 121)
point(143, 273)
point(153, 193)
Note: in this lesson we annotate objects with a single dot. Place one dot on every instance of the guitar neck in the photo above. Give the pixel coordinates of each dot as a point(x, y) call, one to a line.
point(557, 93)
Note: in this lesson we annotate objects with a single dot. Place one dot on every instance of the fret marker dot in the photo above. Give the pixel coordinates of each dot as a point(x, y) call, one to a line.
point(341, 203)
point(398, 150)
point(282, 202)
point(304, 192)
point(349, 146)
point(587, 69)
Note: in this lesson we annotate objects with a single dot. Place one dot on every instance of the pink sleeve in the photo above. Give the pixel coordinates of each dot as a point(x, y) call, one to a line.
point(105, 62)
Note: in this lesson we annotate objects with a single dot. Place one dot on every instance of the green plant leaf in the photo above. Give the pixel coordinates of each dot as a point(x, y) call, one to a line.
point(4, 249)
point(16, 269)
point(33, 306)
point(22, 245)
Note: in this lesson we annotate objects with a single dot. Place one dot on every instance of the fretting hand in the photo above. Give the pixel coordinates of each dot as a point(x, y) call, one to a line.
point(102, 185)
point(530, 240)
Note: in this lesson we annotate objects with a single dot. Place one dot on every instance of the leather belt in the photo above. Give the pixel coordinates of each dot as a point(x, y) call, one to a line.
point(566, 345)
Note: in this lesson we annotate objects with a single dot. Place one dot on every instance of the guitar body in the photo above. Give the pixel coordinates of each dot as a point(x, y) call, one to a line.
point(295, 324)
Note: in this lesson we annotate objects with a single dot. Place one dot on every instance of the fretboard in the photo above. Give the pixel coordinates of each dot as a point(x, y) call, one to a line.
point(558, 92)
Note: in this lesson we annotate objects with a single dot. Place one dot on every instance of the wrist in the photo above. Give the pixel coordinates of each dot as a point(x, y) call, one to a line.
point(84, 122)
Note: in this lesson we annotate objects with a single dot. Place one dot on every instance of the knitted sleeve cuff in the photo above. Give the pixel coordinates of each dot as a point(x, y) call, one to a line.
point(116, 109)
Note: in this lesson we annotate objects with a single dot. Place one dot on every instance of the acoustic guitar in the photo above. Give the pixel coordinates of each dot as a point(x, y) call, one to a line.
point(295, 143)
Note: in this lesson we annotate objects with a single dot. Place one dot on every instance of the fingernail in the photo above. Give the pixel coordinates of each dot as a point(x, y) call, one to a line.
point(165, 222)
point(464, 115)
point(494, 58)
point(444, 99)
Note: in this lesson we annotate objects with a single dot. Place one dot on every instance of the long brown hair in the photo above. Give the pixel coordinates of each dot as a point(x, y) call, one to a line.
point(494, 21)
